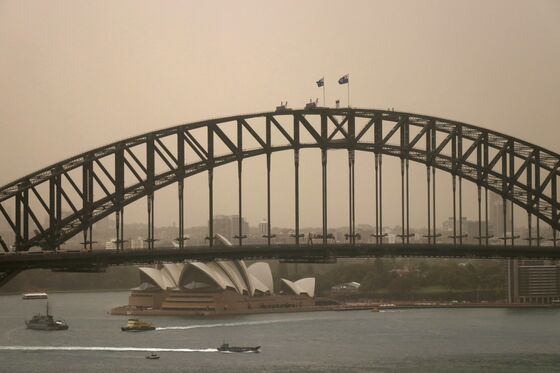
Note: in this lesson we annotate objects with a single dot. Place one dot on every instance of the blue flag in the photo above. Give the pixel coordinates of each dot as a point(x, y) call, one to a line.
point(321, 82)
point(344, 79)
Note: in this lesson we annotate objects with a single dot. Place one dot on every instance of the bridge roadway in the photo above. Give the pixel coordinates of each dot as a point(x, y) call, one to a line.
point(91, 260)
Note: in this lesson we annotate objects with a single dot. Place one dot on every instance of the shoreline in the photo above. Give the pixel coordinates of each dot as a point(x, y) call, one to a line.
point(126, 311)
point(67, 291)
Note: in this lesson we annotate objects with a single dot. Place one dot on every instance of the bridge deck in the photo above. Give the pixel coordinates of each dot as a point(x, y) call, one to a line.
point(310, 253)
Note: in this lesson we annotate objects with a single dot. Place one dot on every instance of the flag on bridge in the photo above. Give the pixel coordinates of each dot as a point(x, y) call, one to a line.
point(321, 82)
point(344, 79)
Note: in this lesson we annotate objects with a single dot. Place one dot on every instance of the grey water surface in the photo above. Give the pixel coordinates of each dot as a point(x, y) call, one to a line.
point(424, 340)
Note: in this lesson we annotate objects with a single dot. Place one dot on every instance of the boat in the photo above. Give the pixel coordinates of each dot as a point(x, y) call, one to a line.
point(225, 347)
point(46, 322)
point(34, 296)
point(135, 325)
point(152, 356)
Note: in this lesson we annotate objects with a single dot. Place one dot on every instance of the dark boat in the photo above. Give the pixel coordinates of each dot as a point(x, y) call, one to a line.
point(46, 322)
point(152, 356)
point(225, 347)
point(135, 325)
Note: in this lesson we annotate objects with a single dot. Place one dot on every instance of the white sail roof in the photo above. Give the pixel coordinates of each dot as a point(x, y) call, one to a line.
point(306, 286)
point(261, 270)
point(211, 273)
point(258, 285)
point(231, 270)
point(243, 271)
point(303, 286)
point(219, 273)
point(158, 278)
point(225, 274)
point(290, 286)
point(221, 240)
point(173, 270)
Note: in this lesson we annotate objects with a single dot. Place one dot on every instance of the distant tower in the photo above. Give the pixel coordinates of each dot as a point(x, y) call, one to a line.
point(263, 227)
point(496, 218)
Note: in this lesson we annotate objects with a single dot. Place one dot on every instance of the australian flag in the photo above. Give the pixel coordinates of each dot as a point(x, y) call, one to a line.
point(344, 79)
point(321, 82)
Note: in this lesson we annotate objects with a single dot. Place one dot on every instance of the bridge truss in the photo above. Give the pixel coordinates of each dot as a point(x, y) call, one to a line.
point(101, 182)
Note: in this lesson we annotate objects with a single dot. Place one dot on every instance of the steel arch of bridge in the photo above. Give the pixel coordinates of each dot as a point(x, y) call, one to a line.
point(104, 180)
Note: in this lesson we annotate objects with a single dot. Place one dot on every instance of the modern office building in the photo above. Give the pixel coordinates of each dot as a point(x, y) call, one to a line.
point(533, 281)
point(537, 283)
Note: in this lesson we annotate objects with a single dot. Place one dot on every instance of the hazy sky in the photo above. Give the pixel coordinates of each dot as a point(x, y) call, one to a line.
point(75, 75)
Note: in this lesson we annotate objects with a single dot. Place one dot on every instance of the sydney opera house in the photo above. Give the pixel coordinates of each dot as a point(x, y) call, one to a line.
point(215, 288)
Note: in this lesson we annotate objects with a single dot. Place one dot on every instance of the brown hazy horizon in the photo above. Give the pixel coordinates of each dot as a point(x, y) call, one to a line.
point(75, 75)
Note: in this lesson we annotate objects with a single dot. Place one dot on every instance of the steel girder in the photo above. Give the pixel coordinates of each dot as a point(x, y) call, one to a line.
point(79, 191)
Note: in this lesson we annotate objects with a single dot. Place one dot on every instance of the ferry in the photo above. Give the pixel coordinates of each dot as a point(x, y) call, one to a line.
point(135, 325)
point(34, 296)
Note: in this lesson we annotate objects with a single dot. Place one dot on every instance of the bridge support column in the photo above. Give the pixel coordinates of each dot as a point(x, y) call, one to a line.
point(378, 200)
point(324, 193)
point(181, 198)
point(402, 202)
point(408, 235)
point(429, 204)
point(434, 203)
point(117, 229)
point(87, 200)
point(537, 199)
point(268, 223)
point(479, 200)
point(211, 207)
point(487, 232)
point(240, 200)
point(296, 184)
point(151, 235)
point(461, 236)
point(351, 200)
point(453, 182)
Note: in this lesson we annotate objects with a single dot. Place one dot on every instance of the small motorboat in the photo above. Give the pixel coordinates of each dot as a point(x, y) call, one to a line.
point(225, 347)
point(152, 356)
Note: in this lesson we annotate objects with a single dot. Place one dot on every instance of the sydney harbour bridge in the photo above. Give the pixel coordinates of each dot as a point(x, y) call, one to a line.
point(102, 182)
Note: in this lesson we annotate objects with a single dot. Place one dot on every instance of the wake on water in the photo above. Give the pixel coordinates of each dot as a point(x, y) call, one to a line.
point(114, 349)
point(150, 349)
point(230, 324)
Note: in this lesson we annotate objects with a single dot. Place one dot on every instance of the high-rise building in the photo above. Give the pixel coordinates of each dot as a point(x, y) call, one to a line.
point(263, 227)
point(496, 216)
point(228, 226)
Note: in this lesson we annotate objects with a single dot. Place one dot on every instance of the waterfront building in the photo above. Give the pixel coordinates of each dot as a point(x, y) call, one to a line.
point(535, 282)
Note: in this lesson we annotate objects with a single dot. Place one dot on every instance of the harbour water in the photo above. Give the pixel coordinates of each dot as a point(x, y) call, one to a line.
point(421, 340)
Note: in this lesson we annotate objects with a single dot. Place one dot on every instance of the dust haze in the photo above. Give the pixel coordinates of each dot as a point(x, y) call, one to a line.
point(75, 75)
